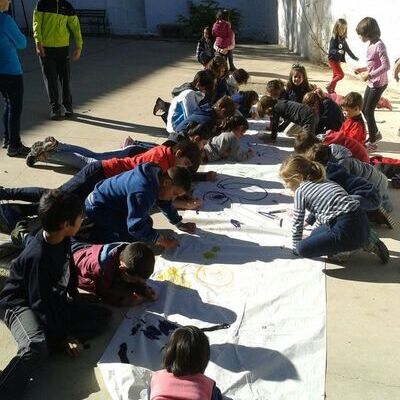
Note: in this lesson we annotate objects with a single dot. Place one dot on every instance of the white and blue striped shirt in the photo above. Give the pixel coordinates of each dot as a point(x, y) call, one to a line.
point(326, 200)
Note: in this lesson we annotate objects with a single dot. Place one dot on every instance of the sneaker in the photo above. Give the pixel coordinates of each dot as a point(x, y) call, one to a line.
point(396, 181)
point(5, 143)
point(23, 228)
point(378, 137)
point(377, 247)
point(328, 89)
point(20, 151)
point(339, 258)
point(69, 113)
point(128, 142)
point(39, 149)
point(56, 115)
point(159, 106)
point(371, 146)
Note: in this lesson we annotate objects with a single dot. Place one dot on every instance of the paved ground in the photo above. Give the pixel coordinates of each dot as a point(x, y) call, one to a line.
point(115, 85)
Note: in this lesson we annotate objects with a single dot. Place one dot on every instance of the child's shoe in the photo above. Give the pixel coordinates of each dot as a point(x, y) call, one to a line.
point(159, 106)
point(339, 258)
point(377, 247)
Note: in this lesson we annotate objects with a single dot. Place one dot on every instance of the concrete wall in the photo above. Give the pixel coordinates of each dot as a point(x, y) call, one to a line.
point(297, 16)
point(259, 17)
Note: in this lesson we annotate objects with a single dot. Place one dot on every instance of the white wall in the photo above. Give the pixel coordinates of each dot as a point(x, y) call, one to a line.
point(294, 17)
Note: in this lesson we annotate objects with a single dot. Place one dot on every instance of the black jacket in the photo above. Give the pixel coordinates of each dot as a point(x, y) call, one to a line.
point(330, 116)
point(337, 44)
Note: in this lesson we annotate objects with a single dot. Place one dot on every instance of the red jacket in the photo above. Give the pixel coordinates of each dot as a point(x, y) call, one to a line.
point(160, 155)
point(354, 128)
point(357, 150)
point(222, 33)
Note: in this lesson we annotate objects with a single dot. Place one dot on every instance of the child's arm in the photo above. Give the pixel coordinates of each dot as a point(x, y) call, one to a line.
point(298, 218)
point(397, 70)
point(348, 51)
point(75, 28)
point(37, 32)
point(14, 34)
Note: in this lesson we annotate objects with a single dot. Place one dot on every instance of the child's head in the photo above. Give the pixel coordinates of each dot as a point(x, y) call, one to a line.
point(274, 88)
point(340, 28)
point(296, 169)
point(218, 66)
point(249, 99)
point(4, 5)
point(297, 76)
point(224, 107)
point(187, 352)
point(199, 134)
point(222, 15)
point(368, 29)
point(136, 262)
point(303, 141)
point(186, 153)
point(313, 100)
point(204, 81)
point(60, 211)
point(265, 106)
point(320, 153)
point(174, 183)
point(241, 76)
point(207, 33)
point(238, 125)
point(352, 104)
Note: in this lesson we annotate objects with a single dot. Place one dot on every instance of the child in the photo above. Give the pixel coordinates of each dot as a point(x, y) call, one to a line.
point(353, 127)
point(115, 272)
point(210, 115)
point(323, 153)
point(39, 302)
point(276, 89)
point(224, 36)
point(198, 133)
point(219, 67)
point(244, 101)
point(11, 81)
point(237, 78)
point(297, 85)
point(375, 74)
point(185, 359)
point(119, 207)
point(205, 47)
point(330, 116)
point(338, 48)
point(290, 111)
point(342, 225)
point(227, 144)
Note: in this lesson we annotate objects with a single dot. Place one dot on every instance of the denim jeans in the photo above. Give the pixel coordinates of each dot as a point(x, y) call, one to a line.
point(87, 320)
point(12, 89)
point(78, 157)
point(347, 232)
point(371, 98)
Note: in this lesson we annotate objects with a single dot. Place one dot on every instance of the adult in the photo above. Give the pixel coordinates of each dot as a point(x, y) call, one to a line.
point(11, 82)
point(53, 20)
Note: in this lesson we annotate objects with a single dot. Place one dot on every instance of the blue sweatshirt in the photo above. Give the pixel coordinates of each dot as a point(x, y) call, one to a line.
point(11, 40)
point(204, 114)
point(126, 201)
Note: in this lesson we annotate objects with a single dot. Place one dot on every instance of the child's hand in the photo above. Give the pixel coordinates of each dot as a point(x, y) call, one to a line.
point(211, 176)
point(341, 51)
point(167, 242)
point(40, 50)
point(76, 54)
point(188, 227)
point(193, 204)
point(72, 346)
point(358, 70)
point(364, 76)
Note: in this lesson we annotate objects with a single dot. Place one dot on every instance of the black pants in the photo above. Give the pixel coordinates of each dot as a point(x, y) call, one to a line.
point(229, 57)
point(56, 68)
point(12, 89)
point(88, 320)
point(371, 98)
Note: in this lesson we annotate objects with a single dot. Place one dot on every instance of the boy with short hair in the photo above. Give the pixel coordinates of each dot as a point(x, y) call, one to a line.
point(39, 300)
point(115, 272)
point(120, 207)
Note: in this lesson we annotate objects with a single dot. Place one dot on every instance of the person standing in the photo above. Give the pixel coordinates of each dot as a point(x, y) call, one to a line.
point(53, 20)
point(11, 81)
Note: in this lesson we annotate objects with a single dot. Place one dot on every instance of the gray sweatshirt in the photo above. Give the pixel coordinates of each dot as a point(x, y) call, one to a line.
point(226, 142)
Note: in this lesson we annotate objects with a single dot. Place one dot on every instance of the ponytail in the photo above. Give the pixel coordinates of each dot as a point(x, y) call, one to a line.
point(300, 168)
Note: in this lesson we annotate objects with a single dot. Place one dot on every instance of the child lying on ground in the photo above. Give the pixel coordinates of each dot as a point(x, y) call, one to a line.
point(227, 144)
point(244, 101)
point(115, 272)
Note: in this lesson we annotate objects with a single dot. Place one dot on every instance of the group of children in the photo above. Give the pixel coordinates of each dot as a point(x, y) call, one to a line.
point(95, 232)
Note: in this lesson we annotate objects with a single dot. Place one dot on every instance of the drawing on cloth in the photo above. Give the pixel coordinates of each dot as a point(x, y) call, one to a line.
point(123, 353)
point(236, 223)
point(212, 253)
point(215, 276)
point(174, 275)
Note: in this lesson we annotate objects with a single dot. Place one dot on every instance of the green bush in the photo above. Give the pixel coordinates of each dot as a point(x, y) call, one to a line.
point(203, 15)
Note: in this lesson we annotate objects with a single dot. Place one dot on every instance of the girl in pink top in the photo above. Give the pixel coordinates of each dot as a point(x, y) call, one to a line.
point(185, 359)
point(375, 74)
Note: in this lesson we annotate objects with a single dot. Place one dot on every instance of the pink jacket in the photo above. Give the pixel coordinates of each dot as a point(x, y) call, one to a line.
point(165, 386)
point(377, 64)
point(222, 33)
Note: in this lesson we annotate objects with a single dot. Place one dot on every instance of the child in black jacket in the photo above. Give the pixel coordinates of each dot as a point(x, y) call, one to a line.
point(39, 301)
point(205, 47)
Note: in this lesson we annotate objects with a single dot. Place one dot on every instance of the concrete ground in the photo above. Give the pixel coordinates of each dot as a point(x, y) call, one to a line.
point(115, 85)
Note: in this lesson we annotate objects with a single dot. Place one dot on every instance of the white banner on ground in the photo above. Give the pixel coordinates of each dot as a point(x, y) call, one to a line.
point(237, 270)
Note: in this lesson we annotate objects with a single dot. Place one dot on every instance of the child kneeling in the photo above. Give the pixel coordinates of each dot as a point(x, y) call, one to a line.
point(342, 225)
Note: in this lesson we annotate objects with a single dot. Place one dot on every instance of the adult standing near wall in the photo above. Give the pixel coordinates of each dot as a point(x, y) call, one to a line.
point(53, 20)
point(11, 81)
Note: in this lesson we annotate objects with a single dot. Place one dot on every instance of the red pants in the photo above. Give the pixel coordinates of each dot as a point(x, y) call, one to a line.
point(338, 75)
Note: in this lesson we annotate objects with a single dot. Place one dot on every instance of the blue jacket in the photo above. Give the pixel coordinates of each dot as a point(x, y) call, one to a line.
point(204, 114)
point(11, 40)
point(126, 200)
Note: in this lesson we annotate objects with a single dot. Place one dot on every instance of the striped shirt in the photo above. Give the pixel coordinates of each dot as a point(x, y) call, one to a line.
point(326, 200)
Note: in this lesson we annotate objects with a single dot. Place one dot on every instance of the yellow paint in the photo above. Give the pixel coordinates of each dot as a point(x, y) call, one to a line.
point(214, 276)
point(174, 275)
